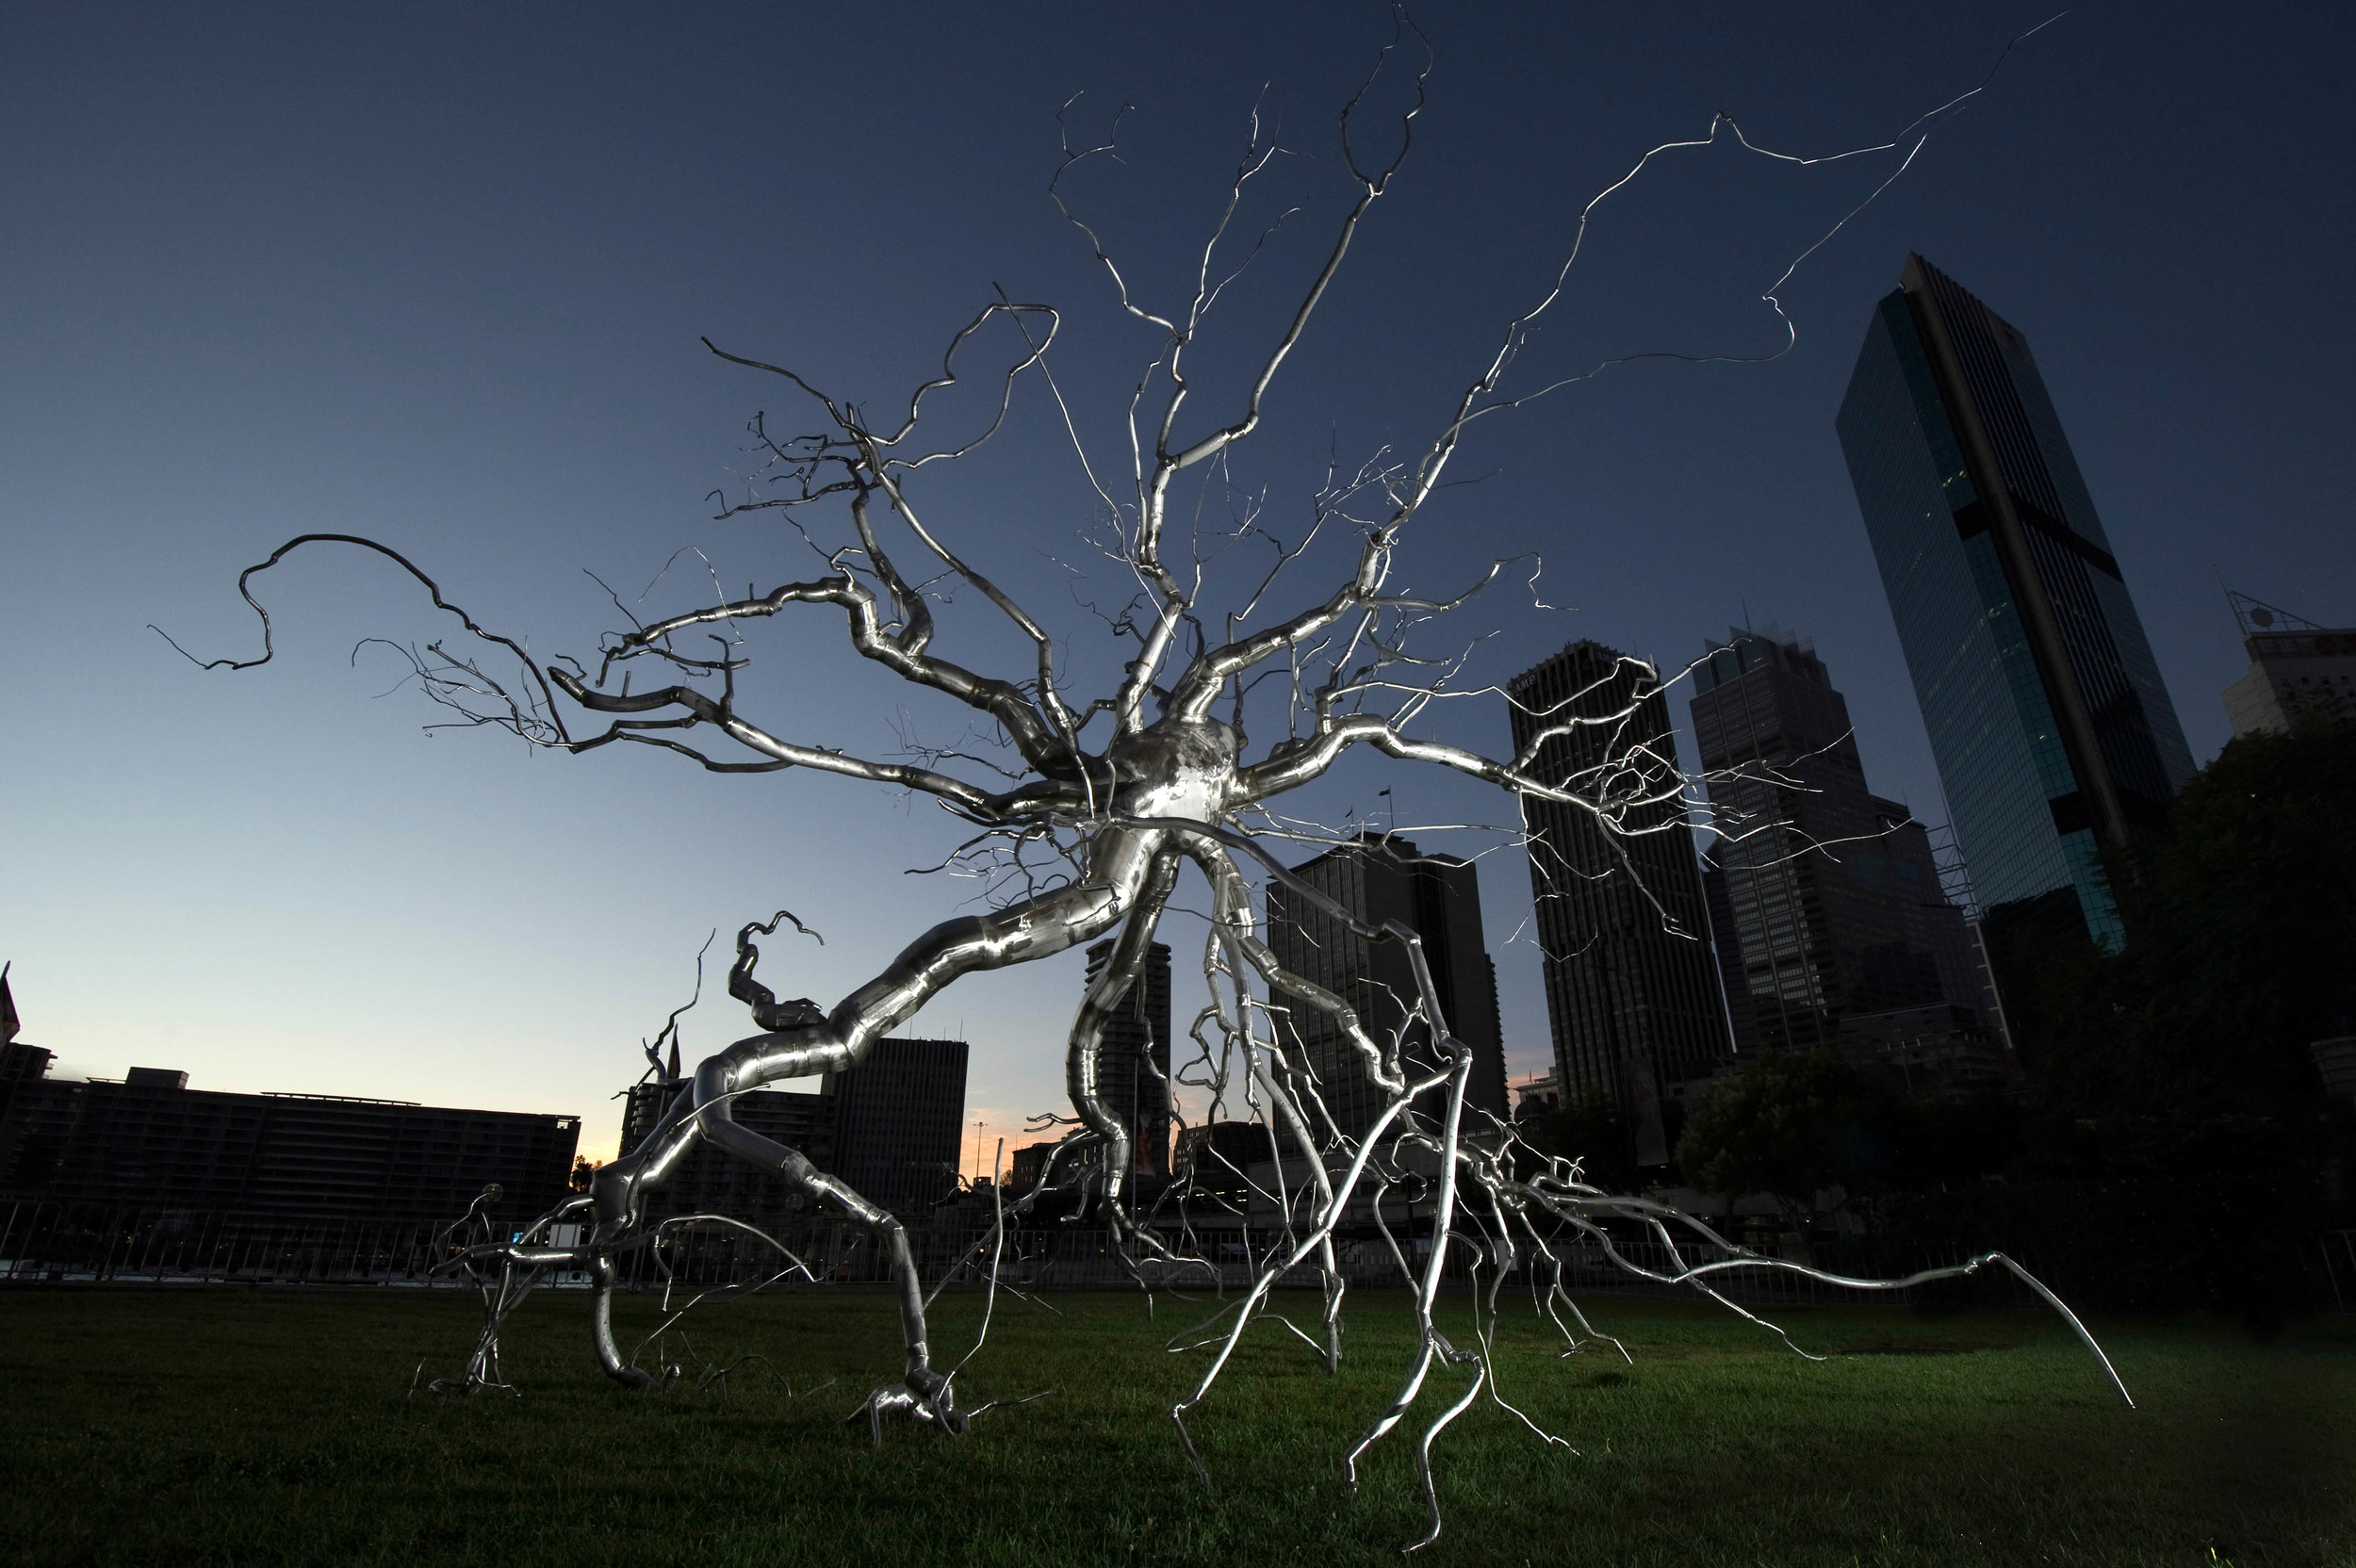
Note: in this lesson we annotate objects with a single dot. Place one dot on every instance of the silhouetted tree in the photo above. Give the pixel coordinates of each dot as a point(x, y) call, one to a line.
point(1794, 1125)
point(2181, 1147)
point(1591, 1131)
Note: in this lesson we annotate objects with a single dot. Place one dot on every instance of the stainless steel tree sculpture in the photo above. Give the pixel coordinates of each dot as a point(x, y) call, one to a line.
point(1126, 788)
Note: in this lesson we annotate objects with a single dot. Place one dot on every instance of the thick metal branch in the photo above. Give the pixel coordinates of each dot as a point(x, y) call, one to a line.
point(982, 804)
point(1042, 746)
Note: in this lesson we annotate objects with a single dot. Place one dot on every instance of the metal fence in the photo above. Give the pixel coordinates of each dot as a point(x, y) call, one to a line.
point(89, 1243)
point(69, 1242)
point(2334, 1257)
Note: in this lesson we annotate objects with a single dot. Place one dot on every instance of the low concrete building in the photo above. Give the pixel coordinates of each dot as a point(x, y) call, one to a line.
point(151, 1142)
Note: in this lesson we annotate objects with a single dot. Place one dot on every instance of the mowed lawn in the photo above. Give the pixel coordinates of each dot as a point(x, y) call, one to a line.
point(233, 1426)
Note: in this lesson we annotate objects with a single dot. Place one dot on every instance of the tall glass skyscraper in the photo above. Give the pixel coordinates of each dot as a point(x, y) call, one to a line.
point(2055, 738)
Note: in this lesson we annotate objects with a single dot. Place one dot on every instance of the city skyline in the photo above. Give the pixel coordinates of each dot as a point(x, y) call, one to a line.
point(454, 302)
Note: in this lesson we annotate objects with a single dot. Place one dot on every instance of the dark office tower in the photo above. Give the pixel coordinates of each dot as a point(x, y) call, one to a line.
point(2055, 738)
point(1942, 921)
point(892, 1127)
point(899, 1122)
point(713, 1181)
point(642, 1109)
point(1218, 1155)
point(1138, 1031)
point(1438, 897)
point(1633, 997)
point(1739, 1018)
point(1834, 901)
point(20, 1062)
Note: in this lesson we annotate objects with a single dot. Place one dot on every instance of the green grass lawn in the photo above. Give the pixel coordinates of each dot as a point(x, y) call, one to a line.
point(224, 1426)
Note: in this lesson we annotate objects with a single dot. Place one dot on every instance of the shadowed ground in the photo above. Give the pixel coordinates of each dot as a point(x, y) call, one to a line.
point(221, 1426)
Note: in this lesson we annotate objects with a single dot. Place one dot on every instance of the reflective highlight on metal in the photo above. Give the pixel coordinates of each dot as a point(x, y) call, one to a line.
point(1090, 838)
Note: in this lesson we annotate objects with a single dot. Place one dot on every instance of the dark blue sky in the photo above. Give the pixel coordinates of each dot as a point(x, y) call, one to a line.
point(438, 277)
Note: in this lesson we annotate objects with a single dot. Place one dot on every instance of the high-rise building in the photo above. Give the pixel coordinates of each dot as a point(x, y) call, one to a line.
point(1139, 1034)
point(1830, 899)
point(21, 1062)
point(712, 1181)
point(899, 1122)
point(1943, 920)
point(1216, 1155)
point(1741, 1020)
point(2054, 737)
point(1632, 987)
point(1376, 878)
point(2299, 673)
point(891, 1127)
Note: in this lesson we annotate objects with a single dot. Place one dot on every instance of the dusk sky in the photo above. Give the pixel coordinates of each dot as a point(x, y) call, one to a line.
point(438, 277)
